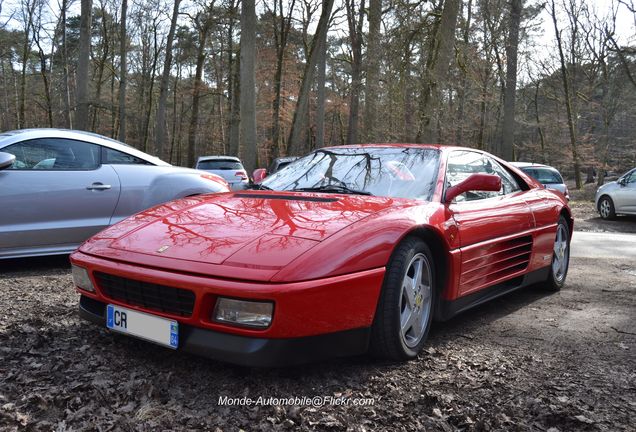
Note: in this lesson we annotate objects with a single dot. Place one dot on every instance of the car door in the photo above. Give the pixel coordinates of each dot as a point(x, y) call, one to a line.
point(494, 227)
point(625, 196)
point(55, 195)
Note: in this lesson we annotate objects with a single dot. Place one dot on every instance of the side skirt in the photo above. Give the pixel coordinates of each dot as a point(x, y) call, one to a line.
point(449, 308)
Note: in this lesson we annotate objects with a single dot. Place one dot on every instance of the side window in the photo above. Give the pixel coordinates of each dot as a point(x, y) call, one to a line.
point(508, 182)
point(115, 157)
point(462, 164)
point(54, 154)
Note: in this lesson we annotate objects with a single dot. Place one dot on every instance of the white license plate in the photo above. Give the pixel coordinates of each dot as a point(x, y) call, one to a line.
point(142, 325)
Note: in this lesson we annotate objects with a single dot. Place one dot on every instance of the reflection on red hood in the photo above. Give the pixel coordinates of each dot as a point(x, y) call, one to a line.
point(260, 228)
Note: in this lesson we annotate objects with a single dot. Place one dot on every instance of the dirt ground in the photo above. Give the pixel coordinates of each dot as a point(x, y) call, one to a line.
point(528, 361)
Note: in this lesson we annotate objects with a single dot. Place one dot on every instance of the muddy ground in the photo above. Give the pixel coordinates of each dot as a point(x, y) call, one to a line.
point(528, 361)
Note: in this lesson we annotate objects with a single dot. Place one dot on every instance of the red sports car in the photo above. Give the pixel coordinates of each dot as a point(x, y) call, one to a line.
point(347, 250)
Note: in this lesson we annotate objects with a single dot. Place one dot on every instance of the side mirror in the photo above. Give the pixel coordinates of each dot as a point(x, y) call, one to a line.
point(476, 182)
point(622, 181)
point(259, 175)
point(6, 160)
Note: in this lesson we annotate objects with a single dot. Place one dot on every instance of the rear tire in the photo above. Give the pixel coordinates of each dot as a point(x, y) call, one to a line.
point(606, 208)
point(560, 258)
point(406, 305)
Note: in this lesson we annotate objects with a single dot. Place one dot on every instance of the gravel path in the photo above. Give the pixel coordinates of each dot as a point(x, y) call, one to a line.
point(528, 361)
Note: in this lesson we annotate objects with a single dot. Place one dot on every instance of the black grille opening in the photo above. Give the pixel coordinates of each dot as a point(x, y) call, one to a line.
point(156, 297)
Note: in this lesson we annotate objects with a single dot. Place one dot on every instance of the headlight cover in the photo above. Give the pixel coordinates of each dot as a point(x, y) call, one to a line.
point(81, 278)
point(243, 312)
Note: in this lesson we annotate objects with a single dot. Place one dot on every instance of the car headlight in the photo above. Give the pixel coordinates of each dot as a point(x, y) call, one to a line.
point(81, 278)
point(243, 313)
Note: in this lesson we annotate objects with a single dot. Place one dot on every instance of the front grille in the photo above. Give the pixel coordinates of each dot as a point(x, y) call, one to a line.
point(160, 298)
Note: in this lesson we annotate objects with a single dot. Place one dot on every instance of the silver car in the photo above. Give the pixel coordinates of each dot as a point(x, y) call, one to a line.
point(228, 167)
point(548, 176)
point(59, 187)
point(617, 197)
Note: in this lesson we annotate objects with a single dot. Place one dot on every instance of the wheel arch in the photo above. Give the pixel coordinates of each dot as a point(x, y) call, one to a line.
point(439, 249)
point(567, 214)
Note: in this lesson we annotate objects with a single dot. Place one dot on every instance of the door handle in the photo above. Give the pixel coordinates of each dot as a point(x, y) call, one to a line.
point(98, 186)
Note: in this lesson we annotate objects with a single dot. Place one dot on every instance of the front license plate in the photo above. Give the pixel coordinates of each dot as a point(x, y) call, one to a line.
point(142, 325)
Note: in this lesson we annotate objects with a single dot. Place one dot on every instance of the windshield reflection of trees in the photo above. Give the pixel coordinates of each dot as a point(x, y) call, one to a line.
point(374, 170)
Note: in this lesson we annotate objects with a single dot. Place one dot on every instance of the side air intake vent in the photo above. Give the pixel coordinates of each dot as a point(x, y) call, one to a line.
point(496, 262)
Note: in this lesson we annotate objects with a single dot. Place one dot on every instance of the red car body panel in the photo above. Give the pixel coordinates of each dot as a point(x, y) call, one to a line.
point(321, 257)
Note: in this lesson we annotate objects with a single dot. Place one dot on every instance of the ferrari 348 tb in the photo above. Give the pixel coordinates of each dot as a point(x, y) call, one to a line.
point(346, 250)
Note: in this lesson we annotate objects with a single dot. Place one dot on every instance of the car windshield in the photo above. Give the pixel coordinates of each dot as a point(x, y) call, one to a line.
point(382, 171)
point(219, 164)
point(544, 175)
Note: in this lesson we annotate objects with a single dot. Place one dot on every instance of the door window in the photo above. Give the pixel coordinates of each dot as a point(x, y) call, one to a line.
point(54, 154)
point(462, 164)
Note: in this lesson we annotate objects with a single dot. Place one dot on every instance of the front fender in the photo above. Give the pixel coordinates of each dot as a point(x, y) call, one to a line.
point(364, 245)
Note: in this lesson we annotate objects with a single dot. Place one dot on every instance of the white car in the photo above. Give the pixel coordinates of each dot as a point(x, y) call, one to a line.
point(617, 197)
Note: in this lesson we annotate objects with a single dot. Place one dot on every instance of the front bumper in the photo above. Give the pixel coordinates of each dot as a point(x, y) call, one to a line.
point(252, 351)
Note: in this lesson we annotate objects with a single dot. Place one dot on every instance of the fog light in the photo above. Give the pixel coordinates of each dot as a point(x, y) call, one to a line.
point(81, 278)
point(244, 313)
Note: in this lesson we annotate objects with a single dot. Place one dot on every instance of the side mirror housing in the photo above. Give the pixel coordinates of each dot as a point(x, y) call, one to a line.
point(476, 182)
point(622, 181)
point(259, 175)
point(6, 160)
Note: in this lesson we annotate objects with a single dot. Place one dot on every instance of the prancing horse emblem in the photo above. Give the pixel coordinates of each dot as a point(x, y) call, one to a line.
point(162, 249)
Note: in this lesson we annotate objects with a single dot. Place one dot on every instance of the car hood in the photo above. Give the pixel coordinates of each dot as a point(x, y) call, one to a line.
point(253, 229)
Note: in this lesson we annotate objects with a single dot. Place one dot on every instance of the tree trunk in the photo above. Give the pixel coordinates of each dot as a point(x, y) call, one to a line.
point(321, 78)
point(355, 36)
point(29, 10)
point(463, 66)
point(249, 149)
point(294, 144)
point(568, 102)
point(83, 65)
point(194, 118)
point(372, 94)
point(68, 122)
point(160, 128)
point(508, 129)
point(280, 34)
point(123, 71)
point(437, 70)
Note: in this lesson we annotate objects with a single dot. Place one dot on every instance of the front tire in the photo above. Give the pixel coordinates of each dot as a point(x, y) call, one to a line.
point(560, 257)
point(606, 208)
point(406, 306)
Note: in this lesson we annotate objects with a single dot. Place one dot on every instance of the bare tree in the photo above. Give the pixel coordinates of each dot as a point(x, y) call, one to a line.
point(437, 70)
point(506, 149)
point(163, 86)
point(123, 70)
point(83, 65)
point(355, 20)
point(282, 25)
point(372, 89)
point(568, 101)
point(248, 148)
point(294, 145)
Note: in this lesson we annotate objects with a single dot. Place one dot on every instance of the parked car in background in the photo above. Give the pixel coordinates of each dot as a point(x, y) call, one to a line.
point(617, 197)
point(548, 176)
point(356, 248)
point(277, 164)
point(62, 186)
point(280, 163)
point(228, 167)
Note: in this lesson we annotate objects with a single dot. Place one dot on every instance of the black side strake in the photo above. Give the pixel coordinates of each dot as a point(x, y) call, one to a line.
point(285, 197)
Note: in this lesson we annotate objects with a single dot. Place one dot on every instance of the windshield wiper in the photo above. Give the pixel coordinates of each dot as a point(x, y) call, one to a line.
point(334, 188)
